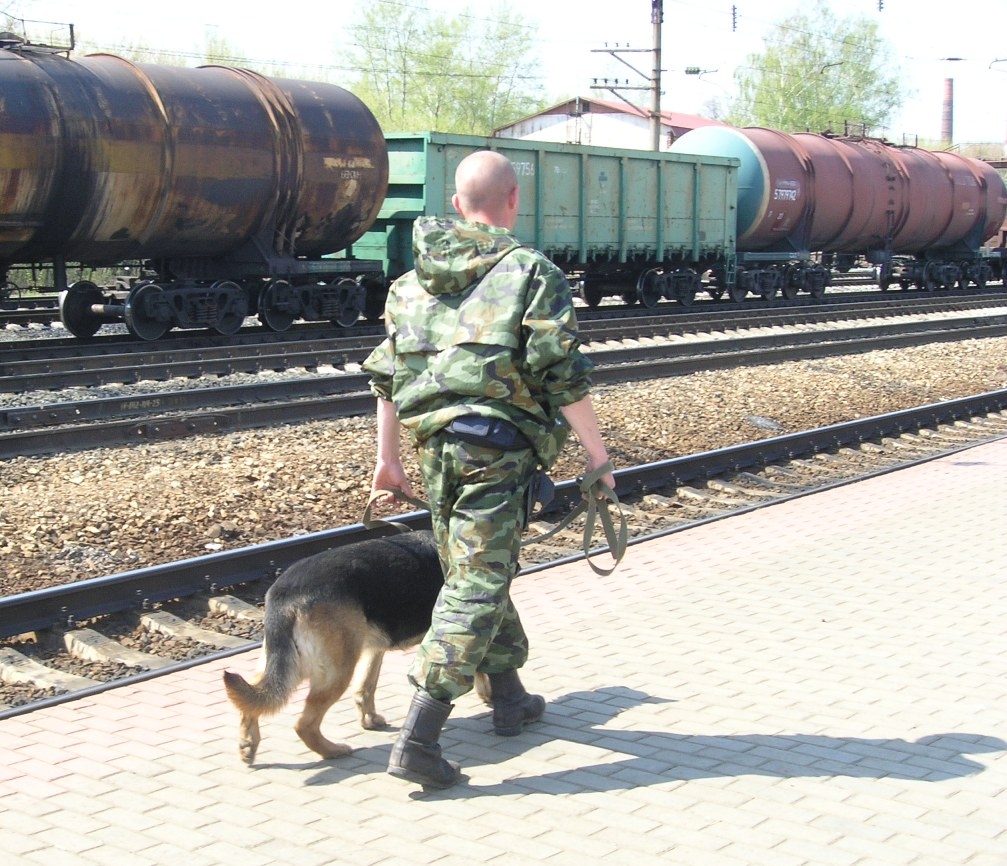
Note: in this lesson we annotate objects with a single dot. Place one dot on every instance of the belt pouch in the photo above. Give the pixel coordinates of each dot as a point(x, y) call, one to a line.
point(489, 432)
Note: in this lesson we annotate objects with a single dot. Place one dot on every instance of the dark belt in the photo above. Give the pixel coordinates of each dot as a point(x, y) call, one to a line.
point(496, 433)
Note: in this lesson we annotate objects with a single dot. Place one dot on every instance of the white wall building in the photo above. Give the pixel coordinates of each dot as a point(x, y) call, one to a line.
point(601, 122)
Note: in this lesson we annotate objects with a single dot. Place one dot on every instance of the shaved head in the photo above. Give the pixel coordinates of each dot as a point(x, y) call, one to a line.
point(486, 185)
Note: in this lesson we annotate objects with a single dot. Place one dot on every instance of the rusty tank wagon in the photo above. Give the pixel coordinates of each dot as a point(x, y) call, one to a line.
point(237, 193)
point(921, 216)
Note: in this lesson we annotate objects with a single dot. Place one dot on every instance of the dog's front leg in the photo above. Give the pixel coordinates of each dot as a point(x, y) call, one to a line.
point(484, 689)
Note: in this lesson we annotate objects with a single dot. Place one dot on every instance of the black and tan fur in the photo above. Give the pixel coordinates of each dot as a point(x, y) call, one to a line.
point(329, 620)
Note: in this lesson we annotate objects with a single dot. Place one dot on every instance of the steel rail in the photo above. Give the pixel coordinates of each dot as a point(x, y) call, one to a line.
point(141, 588)
point(26, 431)
point(161, 365)
point(32, 362)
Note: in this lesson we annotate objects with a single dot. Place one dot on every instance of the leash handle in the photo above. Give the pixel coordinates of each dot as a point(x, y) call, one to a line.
point(377, 522)
point(595, 507)
point(599, 507)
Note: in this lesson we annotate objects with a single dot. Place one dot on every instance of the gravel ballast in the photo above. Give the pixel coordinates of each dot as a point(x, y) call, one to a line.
point(81, 515)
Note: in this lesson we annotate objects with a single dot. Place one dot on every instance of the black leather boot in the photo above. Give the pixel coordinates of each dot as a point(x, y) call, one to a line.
point(416, 755)
point(512, 705)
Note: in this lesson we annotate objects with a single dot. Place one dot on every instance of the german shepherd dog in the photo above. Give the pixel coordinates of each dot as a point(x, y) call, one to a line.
point(329, 619)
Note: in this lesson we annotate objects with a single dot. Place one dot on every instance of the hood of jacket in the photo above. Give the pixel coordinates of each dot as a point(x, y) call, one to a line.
point(451, 254)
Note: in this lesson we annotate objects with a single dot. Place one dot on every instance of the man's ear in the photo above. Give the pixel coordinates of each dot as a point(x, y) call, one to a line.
point(456, 204)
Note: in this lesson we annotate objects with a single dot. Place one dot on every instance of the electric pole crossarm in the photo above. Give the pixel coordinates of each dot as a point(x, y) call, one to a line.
point(654, 80)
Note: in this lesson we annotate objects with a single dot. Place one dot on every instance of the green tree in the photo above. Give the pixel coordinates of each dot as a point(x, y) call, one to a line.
point(818, 73)
point(451, 73)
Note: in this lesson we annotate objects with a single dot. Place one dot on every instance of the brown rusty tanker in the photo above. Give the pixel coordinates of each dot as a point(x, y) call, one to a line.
point(232, 188)
point(921, 216)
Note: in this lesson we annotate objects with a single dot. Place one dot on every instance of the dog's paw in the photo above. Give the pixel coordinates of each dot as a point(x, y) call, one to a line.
point(247, 750)
point(334, 750)
point(373, 722)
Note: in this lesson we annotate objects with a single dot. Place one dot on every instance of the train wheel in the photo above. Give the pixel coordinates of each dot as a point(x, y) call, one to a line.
point(770, 286)
point(351, 304)
point(650, 285)
point(374, 303)
point(737, 292)
point(75, 308)
point(592, 294)
point(931, 281)
point(277, 305)
point(686, 283)
point(791, 283)
point(141, 312)
point(233, 305)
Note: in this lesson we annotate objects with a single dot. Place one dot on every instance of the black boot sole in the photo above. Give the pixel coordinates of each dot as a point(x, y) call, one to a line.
point(426, 781)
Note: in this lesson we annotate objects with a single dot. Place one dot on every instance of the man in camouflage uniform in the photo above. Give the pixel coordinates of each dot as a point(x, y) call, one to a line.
point(482, 366)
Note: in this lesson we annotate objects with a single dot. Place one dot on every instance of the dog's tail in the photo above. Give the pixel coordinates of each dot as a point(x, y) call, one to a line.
point(269, 692)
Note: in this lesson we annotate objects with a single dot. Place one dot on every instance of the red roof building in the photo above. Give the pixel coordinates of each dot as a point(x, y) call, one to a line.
point(601, 122)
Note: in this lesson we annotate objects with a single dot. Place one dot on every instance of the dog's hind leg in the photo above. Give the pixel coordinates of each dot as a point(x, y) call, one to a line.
point(248, 738)
point(365, 683)
point(248, 728)
point(332, 655)
point(308, 726)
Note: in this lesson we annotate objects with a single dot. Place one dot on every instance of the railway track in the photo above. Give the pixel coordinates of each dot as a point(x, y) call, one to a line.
point(19, 309)
point(623, 351)
point(61, 643)
point(53, 364)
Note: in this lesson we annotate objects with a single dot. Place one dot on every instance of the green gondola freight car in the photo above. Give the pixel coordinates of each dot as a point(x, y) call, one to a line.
point(642, 224)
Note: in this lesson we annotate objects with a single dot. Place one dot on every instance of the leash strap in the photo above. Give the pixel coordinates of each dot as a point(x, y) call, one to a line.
point(598, 499)
point(377, 522)
point(596, 504)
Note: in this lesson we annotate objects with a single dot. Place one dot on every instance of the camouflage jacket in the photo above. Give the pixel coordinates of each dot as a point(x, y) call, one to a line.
point(482, 326)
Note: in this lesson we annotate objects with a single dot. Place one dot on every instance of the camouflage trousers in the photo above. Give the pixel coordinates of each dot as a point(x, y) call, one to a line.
point(477, 505)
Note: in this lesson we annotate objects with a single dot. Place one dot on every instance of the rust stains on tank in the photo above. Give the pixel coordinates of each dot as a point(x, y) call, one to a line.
point(102, 159)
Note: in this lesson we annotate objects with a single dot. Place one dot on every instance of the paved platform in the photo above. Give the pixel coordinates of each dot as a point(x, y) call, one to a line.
point(822, 681)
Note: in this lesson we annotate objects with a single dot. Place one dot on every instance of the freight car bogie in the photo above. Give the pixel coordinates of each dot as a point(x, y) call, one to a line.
point(764, 282)
point(339, 301)
point(931, 275)
point(647, 287)
point(680, 283)
point(150, 308)
point(813, 279)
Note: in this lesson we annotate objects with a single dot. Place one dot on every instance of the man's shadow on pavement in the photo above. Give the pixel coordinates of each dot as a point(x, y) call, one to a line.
point(656, 757)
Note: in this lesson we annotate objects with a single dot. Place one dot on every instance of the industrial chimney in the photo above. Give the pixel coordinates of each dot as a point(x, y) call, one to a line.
point(948, 113)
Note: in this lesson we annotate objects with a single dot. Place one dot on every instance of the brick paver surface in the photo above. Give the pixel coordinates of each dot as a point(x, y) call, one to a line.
point(822, 681)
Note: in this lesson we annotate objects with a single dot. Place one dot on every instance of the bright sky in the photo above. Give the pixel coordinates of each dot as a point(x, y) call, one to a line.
point(695, 33)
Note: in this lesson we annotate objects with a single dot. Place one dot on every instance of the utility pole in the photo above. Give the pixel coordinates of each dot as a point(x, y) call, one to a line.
point(656, 18)
point(653, 81)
